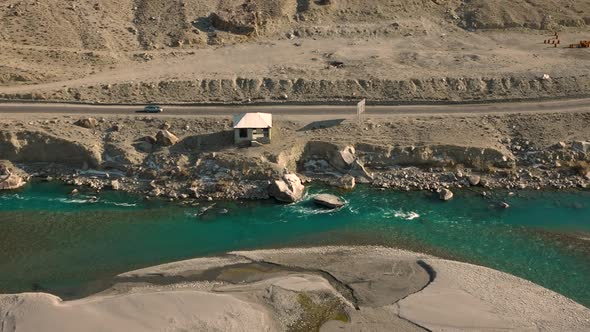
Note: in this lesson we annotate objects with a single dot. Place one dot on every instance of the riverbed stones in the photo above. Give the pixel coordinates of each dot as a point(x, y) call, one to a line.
point(166, 138)
point(287, 189)
point(328, 201)
point(445, 194)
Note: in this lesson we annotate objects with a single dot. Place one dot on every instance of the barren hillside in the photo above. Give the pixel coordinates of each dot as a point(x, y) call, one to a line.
point(76, 44)
point(121, 25)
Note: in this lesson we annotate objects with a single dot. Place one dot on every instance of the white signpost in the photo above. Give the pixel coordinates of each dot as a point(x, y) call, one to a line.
point(360, 109)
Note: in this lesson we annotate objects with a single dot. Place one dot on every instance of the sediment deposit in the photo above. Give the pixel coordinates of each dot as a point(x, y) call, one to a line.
point(305, 290)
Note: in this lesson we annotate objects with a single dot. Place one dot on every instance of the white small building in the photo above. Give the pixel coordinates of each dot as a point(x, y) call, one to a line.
point(252, 127)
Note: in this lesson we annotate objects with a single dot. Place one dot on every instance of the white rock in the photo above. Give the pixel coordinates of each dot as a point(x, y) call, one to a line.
point(288, 189)
point(446, 194)
point(329, 201)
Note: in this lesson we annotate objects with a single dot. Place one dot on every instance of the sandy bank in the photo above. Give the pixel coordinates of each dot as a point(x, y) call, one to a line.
point(335, 288)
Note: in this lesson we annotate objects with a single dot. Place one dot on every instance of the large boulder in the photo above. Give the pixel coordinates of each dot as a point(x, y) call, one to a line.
point(329, 201)
point(343, 159)
point(89, 123)
point(445, 194)
point(288, 189)
point(474, 180)
point(166, 138)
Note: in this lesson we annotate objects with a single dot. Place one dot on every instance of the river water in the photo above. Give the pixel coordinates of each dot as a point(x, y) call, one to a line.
point(67, 245)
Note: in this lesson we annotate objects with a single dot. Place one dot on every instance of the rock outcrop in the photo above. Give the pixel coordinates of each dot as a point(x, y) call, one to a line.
point(329, 201)
point(11, 181)
point(89, 123)
point(242, 22)
point(433, 155)
point(10, 177)
point(342, 158)
point(166, 138)
point(288, 189)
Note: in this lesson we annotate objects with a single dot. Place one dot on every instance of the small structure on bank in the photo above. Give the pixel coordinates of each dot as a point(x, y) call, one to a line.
point(252, 128)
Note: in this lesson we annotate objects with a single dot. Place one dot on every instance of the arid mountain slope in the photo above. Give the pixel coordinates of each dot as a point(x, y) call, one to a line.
point(120, 25)
point(63, 50)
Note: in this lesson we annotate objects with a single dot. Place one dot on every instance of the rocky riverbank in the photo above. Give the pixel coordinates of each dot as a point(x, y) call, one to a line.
point(183, 158)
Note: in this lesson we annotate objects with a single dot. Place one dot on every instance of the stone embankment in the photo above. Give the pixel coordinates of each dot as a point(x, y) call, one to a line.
point(269, 89)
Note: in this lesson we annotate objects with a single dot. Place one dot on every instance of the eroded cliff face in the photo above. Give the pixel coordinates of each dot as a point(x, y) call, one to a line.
point(435, 155)
point(362, 160)
point(37, 146)
point(273, 89)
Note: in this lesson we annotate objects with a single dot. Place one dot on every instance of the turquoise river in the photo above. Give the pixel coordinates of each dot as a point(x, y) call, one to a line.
point(70, 245)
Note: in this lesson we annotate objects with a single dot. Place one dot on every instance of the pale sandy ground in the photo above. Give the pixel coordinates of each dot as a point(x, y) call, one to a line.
point(438, 54)
point(462, 297)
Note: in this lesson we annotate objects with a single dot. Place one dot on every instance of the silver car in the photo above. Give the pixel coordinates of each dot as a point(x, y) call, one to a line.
point(153, 109)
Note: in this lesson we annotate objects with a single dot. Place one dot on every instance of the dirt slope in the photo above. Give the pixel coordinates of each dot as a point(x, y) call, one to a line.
point(534, 14)
point(68, 24)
